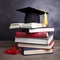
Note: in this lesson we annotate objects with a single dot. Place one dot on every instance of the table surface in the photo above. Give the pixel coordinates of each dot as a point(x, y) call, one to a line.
point(54, 56)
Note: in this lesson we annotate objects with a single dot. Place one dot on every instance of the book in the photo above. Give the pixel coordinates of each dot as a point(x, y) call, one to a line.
point(20, 34)
point(37, 45)
point(47, 29)
point(29, 51)
point(35, 40)
point(26, 25)
point(31, 35)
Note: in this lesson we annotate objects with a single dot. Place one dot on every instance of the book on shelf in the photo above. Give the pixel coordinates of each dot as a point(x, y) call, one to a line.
point(42, 46)
point(26, 25)
point(35, 40)
point(31, 35)
point(47, 29)
point(31, 51)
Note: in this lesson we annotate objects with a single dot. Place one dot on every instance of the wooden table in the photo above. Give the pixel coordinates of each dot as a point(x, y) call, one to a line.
point(54, 56)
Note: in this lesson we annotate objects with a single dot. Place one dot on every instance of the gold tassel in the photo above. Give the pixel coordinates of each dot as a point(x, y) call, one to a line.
point(45, 20)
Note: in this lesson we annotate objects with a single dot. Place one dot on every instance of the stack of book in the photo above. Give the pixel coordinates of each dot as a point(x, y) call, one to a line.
point(36, 40)
point(35, 37)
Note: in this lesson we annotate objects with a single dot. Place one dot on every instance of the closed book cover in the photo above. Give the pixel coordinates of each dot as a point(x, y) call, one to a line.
point(34, 51)
point(31, 35)
point(35, 40)
point(47, 29)
point(41, 46)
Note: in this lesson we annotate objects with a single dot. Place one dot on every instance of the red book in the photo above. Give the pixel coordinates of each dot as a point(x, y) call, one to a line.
point(32, 35)
point(21, 34)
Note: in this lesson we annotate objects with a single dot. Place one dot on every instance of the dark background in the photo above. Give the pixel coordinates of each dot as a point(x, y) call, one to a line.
point(8, 15)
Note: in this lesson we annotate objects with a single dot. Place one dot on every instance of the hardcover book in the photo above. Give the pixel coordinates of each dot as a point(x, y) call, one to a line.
point(47, 29)
point(31, 51)
point(31, 35)
point(42, 46)
point(35, 40)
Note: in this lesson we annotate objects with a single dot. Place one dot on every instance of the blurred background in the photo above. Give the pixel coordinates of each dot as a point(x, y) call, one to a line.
point(8, 15)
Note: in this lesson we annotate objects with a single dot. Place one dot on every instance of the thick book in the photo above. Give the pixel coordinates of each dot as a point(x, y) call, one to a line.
point(26, 25)
point(47, 29)
point(35, 40)
point(37, 45)
point(31, 35)
point(29, 51)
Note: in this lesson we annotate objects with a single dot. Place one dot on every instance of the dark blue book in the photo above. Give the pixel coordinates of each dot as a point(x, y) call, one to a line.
point(36, 51)
point(25, 48)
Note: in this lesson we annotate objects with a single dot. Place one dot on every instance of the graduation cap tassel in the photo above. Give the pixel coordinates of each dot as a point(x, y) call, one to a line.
point(45, 19)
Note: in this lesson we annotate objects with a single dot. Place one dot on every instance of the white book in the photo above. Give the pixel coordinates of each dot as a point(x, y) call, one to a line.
point(35, 40)
point(37, 45)
point(40, 51)
point(15, 25)
point(41, 30)
point(26, 25)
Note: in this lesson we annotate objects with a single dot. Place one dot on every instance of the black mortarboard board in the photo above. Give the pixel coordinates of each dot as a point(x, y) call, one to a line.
point(32, 14)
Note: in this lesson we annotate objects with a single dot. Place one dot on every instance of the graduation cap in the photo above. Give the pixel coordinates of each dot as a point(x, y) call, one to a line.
point(31, 14)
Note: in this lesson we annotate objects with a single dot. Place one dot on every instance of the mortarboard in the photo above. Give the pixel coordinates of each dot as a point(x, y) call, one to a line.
point(31, 14)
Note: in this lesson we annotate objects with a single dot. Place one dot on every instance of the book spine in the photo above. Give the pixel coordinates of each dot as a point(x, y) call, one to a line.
point(32, 35)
